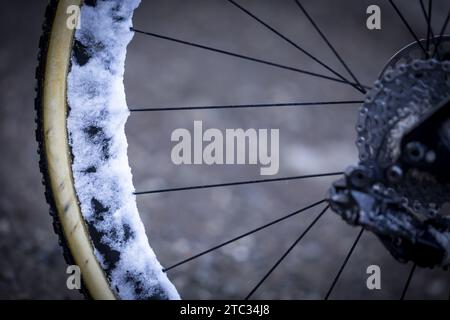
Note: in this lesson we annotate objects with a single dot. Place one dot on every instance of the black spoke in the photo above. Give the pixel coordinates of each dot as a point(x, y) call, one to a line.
point(239, 183)
point(430, 6)
point(257, 106)
point(244, 235)
point(431, 32)
point(408, 281)
point(341, 269)
point(329, 45)
point(286, 253)
point(279, 34)
point(411, 31)
point(444, 27)
point(237, 55)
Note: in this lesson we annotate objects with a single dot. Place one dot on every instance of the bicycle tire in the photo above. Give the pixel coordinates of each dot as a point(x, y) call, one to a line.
point(83, 245)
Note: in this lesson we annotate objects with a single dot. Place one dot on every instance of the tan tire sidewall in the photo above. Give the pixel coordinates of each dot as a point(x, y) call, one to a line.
point(58, 156)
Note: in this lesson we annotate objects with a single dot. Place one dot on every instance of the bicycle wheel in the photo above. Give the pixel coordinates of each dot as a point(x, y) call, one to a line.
point(81, 133)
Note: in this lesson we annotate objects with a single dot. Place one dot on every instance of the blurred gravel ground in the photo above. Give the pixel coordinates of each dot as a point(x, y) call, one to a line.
point(161, 74)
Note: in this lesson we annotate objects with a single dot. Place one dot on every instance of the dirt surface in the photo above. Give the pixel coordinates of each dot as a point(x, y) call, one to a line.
point(180, 224)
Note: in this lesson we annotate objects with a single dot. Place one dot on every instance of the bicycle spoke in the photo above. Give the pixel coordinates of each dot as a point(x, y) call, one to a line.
point(338, 56)
point(411, 31)
point(244, 235)
point(408, 281)
point(279, 34)
point(239, 183)
point(430, 32)
point(341, 269)
point(237, 55)
point(430, 6)
point(256, 106)
point(441, 33)
point(286, 253)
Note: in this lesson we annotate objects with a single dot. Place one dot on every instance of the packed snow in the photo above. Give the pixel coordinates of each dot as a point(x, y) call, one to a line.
point(102, 175)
